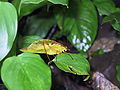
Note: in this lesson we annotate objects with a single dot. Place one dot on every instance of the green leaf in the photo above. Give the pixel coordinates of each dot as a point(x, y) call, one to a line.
point(26, 72)
point(27, 40)
point(62, 2)
point(25, 7)
point(72, 63)
point(114, 19)
point(4, 0)
point(13, 51)
point(105, 7)
point(8, 27)
point(118, 72)
point(38, 25)
point(80, 21)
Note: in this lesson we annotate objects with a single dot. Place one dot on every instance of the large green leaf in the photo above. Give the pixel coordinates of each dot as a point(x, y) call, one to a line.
point(13, 50)
point(25, 7)
point(80, 20)
point(38, 25)
point(114, 19)
point(72, 63)
point(105, 7)
point(8, 27)
point(118, 72)
point(26, 72)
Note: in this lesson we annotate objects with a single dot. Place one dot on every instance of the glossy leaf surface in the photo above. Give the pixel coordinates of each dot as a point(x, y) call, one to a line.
point(105, 7)
point(8, 27)
point(118, 72)
point(25, 7)
point(63, 2)
point(26, 72)
point(80, 21)
point(72, 63)
point(37, 25)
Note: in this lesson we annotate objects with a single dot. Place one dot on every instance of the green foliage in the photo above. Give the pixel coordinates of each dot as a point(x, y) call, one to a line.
point(4, 0)
point(77, 20)
point(27, 40)
point(80, 20)
point(25, 7)
point(114, 19)
point(72, 63)
point(37, 25)
point(8, 27)
point(118, 72)
point(107, 7)
point(26, 71)
point(62, 2)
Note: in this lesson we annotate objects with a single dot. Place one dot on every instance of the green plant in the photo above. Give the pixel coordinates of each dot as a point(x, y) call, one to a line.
point(76, 19)
point(118, 72)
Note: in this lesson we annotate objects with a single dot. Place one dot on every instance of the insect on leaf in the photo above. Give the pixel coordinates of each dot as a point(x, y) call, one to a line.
point(45, 46)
